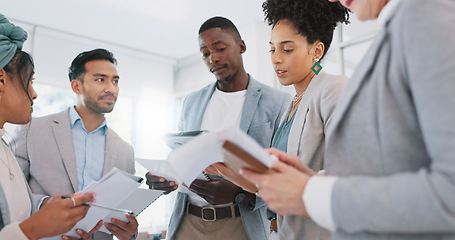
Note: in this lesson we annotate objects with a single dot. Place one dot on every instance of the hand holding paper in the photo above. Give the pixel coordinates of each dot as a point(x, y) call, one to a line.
point(231, 146)
point(233, 176)
point(116, 189)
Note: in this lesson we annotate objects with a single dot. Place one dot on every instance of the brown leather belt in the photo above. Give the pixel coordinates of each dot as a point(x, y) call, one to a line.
point(273, 225)
point(213, 213)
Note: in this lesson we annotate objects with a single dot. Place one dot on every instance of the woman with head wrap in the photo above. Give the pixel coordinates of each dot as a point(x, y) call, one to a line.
point(390, 156)
point(16, 100)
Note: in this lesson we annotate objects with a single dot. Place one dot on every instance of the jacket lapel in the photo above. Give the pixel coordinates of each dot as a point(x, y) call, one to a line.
point(203, 100)
point(61, 128)
point(299, 120)
point(253, 94)
point(111, 151)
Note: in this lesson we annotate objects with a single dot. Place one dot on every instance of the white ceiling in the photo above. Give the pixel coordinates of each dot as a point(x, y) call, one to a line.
point(163, 27)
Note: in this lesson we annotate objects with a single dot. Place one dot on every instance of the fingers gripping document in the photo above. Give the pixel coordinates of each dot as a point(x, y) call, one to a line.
point(231, 146)
point(117, 194)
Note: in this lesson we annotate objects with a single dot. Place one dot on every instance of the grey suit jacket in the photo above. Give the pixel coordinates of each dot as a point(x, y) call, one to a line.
point(45, 152)
point(261, 114)
point(393, 136)
point(307, 140)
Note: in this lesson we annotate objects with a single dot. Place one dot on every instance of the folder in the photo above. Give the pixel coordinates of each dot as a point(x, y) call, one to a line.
point(237, 158)
point(117, 191)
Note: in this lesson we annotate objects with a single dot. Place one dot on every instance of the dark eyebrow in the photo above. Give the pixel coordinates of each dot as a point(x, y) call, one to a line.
point(213, 44)
point(283, 42)
point(104, 75)
point(217, 42)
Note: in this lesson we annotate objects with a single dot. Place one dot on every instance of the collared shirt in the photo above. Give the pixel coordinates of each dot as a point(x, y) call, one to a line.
point(89, 149)
point(318, 191)
point(387, 12)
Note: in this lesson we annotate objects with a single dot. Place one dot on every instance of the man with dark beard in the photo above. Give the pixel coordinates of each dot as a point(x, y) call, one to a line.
point(65, 152)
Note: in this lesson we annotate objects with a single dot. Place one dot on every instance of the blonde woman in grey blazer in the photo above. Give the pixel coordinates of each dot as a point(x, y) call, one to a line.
point(390, 149)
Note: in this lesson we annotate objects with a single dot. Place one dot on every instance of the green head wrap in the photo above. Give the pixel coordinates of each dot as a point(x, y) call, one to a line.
point(11, 38)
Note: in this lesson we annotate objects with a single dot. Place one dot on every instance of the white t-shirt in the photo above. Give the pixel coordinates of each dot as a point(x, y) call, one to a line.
point(223, 110)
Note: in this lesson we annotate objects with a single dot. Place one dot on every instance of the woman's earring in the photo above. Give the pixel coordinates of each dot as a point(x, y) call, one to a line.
point(316, 66)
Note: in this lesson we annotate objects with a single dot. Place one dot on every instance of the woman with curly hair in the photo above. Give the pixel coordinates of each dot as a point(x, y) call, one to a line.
point(389, 162)
point(302, 32)
point(301, 35)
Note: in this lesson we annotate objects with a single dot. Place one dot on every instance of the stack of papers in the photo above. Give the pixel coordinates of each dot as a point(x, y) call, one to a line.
point(231, 146)
point(117, 191)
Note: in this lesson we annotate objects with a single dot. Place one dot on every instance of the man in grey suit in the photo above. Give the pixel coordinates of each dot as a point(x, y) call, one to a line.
point(65, 152)
point(390, 156)
point(220, 209)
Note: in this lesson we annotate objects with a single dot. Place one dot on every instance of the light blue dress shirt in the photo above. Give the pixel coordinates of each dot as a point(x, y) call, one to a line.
point(89, 149)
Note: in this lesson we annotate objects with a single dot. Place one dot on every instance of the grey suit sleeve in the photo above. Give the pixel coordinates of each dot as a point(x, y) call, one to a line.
point(19, 148)
point(420, 201)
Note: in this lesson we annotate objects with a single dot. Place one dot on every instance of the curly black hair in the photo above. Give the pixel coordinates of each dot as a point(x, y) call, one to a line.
point(313, 19)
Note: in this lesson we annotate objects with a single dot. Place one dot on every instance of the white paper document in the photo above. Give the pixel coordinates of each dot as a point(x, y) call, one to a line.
point(119, 190)
point(178, 139)
point(192, 158)
point(160, 168)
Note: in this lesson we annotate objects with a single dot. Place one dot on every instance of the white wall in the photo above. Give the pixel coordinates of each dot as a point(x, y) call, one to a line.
point(144, 110)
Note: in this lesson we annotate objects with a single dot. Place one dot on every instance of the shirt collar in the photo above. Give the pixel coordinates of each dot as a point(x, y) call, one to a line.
point(387, 12)
point(74, 117)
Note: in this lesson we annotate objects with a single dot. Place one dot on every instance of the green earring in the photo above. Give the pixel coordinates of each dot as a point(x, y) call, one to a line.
point(316, 66)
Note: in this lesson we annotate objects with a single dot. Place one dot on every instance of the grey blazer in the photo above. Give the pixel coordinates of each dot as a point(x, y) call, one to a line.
point(261, 114)
point(45, 152)
point(393, 136)
point(307, 140)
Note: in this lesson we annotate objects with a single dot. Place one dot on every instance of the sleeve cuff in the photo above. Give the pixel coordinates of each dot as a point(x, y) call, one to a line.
point(40, 202)
point(12, 231)
point(317, 198)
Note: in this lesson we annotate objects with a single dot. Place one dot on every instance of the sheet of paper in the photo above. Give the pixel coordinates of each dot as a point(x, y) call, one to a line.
point(189, 160)
point(111, 190)
point(158, 167)
point(137, 202)
point(178, 139)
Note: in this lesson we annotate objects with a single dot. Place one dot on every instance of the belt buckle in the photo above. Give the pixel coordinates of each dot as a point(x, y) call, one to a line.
point(208, 208)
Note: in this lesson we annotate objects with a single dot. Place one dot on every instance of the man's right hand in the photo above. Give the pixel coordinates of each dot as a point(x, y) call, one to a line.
point(160, 183)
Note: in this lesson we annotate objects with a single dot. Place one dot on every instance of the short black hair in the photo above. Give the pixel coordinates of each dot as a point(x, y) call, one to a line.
point(21, 66)
point(223, 23)
point(313, 19)
point(78, 65)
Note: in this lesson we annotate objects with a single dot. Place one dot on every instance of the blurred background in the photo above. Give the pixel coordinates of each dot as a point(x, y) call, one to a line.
point(155, 43)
